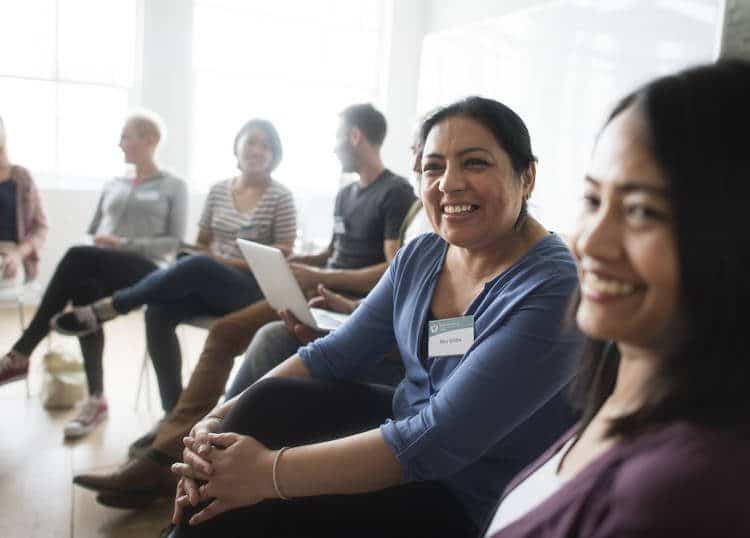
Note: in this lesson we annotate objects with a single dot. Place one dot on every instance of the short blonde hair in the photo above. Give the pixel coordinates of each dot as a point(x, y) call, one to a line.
point(147, 123)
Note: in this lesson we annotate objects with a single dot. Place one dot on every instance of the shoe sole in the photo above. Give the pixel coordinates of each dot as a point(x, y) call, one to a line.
point(88, 429)
point(65, 332)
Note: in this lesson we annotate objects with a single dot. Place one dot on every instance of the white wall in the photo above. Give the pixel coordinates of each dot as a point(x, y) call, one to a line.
point(401, 81)
point(560, 64)
point(446, 14)
point(165, 88)
point(166, 83)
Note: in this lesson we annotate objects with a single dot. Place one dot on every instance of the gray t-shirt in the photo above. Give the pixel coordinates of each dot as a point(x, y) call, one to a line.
point(365, 217)
point(150, 214)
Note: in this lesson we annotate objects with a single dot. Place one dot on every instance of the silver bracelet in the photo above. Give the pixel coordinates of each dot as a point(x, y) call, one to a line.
point(276, 487)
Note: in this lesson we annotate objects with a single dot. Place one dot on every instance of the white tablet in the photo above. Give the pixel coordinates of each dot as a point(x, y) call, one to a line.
point(281, 289)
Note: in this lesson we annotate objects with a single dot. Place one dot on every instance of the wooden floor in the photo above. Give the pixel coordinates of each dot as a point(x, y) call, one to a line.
point(37, 466)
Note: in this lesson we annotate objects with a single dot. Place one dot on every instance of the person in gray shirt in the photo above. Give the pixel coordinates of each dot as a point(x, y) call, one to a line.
point(211, 278)
point(138, 223)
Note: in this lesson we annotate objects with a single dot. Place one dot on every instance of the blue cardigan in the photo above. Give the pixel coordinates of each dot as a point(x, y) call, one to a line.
point(470, 421)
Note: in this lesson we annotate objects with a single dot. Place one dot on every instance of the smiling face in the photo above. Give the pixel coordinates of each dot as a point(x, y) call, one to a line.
point(254, 152)
point(625, 243)
point(471, 194)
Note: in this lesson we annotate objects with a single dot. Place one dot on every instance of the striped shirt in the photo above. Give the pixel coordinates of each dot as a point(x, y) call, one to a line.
point(273, 220)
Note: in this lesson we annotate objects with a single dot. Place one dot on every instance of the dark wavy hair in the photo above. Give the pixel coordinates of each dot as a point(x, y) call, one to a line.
point(509, 129)
point(696, 122)
point(273, 138)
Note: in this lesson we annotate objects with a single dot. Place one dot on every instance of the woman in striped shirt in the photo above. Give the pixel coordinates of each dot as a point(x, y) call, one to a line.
point(214, 279)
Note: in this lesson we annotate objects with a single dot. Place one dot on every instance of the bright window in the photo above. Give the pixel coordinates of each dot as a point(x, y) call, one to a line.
point(295, 62)
point(560, 65)
point(66, 76)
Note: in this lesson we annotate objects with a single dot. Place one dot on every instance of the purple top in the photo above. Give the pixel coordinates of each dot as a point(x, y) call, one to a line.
point(681, 480)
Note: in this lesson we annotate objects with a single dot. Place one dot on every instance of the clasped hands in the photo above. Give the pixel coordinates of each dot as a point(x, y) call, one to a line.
point(227, 470)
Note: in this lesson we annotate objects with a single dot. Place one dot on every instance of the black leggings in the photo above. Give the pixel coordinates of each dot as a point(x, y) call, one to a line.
point(280, 412)
point(84, 275)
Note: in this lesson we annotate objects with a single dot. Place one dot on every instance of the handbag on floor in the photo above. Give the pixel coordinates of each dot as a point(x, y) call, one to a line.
point(64, 381)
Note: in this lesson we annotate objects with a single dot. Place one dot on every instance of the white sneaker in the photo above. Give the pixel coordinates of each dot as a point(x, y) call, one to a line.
point(91, 413)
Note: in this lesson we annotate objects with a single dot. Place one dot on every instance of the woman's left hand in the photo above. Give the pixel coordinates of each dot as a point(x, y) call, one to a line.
point(242, 475)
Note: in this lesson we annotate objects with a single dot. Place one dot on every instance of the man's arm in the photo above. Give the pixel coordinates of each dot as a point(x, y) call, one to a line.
point(355, 280)
point(314, 260)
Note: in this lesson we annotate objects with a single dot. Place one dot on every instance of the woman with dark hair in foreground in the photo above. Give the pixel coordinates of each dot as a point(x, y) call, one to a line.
point(663, 253)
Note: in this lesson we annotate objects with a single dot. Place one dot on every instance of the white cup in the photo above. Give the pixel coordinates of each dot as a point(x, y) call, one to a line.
point(9, 282)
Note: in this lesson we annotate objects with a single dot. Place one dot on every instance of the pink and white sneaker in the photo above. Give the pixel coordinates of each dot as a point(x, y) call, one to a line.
point(91, 413)
point(13, 367)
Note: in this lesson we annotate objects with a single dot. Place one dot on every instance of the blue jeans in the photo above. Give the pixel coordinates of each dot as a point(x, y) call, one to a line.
point(193, 286)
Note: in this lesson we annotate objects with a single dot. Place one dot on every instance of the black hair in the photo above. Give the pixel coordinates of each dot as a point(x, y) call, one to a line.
point(273, 138)
point(508, 128)
point(696, 123)
point(367, 119)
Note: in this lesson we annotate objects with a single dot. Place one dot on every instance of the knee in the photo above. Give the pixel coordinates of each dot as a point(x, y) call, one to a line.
point(272, 331)
point(221, 329)
point(75, 255)
point(198, 264)
point(271, 344)
point(267, 406)
point(271, 392)
point(268, 334)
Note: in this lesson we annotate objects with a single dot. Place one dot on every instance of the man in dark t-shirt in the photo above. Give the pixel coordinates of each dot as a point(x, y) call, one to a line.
point(367, 215)
point(364, 217)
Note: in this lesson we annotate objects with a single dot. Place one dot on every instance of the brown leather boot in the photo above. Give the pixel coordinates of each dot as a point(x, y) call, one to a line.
point(136, 484)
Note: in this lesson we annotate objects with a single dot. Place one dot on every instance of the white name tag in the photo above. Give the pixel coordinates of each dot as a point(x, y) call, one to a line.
point(452, 336)
point(338, 225)
point(147, 196)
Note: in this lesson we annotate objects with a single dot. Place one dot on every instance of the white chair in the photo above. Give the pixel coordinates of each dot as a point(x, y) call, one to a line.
point(16, 296)
point(144, 381)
